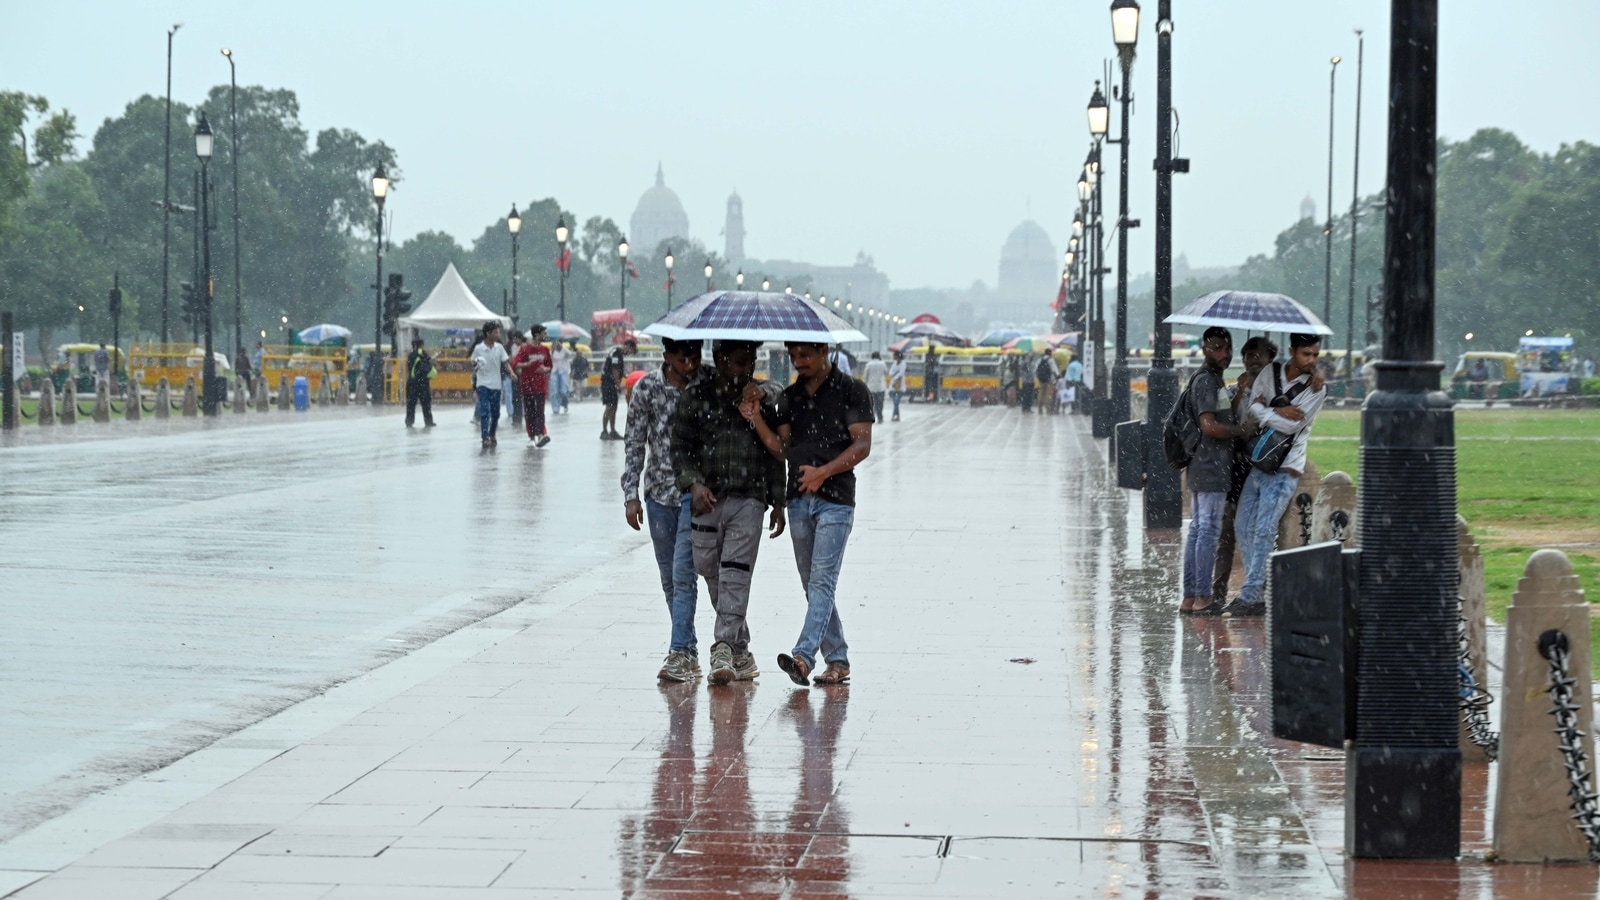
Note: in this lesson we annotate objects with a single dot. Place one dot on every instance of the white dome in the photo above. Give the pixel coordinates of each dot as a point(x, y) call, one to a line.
point(658, 216)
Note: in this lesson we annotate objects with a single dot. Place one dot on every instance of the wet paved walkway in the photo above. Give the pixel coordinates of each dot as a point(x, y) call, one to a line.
point(1028, 718)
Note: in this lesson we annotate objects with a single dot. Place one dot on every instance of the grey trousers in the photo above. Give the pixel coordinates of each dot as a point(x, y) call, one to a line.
point(725, 544)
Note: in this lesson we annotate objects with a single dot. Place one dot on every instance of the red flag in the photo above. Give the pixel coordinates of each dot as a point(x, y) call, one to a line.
point(564, 261)
point(632, 272)
point(1061, 297)
point(670, 281)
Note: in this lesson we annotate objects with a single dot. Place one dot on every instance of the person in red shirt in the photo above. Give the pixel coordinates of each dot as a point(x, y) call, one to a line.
point(533, 366)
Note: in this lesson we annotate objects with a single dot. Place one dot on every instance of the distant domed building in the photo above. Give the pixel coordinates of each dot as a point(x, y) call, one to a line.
point(658, 216)
point(1029, 267)
point(1308, 208)
point(733, 231)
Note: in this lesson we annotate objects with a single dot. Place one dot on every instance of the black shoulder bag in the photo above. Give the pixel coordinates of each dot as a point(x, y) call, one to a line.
point(1271, 447)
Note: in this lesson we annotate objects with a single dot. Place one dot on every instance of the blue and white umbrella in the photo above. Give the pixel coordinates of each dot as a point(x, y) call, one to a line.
point(1252, 311)
point(317, 334)
point(753, 316)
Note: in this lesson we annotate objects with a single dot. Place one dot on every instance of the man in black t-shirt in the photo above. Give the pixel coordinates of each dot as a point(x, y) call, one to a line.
point(611, 375)
point(1209, 469)
point(823, 426)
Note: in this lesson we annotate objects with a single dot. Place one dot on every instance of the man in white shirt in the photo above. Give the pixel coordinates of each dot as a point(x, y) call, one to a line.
point(490, 368)
point(897, 382)
point(560, 376)
point(1285, 398)
point(876, 374)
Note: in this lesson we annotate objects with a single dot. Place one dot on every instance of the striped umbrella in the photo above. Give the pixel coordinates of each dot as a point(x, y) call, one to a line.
point(1252, 311)
point(753, 316)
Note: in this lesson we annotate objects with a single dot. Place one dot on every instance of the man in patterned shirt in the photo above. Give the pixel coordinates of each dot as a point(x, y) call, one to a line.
point(731, 479)
point(665, 506)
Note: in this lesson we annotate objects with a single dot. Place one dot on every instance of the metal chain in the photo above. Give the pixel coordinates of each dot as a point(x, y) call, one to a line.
point(1475, 697)
point(1585, 803)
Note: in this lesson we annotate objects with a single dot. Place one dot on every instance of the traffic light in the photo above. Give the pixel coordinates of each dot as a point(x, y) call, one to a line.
point(396, 303)
point(191, 304)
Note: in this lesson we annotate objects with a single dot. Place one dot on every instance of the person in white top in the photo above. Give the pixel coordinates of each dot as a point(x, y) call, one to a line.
point(897, 382)
point(560, 376)
point(490, 368)
point(1285, 398)
point(876, 374)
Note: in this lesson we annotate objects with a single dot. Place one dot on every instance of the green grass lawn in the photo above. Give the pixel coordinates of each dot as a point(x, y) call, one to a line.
point(1525, 479)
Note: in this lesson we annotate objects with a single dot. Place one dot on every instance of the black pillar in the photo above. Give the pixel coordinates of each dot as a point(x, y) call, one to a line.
point(1121, 400)
point(1163, 492)
point(1403, 769)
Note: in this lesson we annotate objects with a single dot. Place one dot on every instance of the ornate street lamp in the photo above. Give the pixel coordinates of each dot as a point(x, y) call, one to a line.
point(380, 192)
point(669, 260)
point(208, 368)
point(622, 269)
point(1125, 34)
point(708, 276)
point(513, 225)
point(562, 258)
point(738, 280)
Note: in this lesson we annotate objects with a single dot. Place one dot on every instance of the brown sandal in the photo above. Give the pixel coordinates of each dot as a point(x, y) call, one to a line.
point(835, 673)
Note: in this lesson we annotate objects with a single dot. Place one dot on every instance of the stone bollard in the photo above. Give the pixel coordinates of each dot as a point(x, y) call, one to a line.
point(341, 389)
point(1294, 529)
point(361, 389)
point(241, 395)
point(47, 403)
point(1533, 810)
point(191, 399)
point(285, 397)
point(324, 396)
point(263, 399)
point(1474, 609)
point(163, 399)
point(102, 403)
point(69, 403)
point(1333, 515)
point(132, 410)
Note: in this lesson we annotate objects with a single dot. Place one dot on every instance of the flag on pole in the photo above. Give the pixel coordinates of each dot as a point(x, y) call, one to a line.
point(1061, 296)
point(632, 272)
point(564, 261)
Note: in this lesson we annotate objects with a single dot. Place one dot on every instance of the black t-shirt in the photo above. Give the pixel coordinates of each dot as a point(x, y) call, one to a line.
point(820, 430)
point(611, 372)
point(1213, 458)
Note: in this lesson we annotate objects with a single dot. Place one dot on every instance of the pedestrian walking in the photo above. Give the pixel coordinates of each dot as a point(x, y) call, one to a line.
point(611, 375)
point(876, 376)
point(1066, 394)
point(1256, 354)
point(731, 478)
point(560, 376)
point(1047, 372)
point(533, 366)
point(490, 370)
point(510, 390)
point(242, 370)
point(647, 465)
point(419, 384)
point(1027, 386)
point(930, 375)
point(1207, 403)
point(102, 367)
point(822, 425)
point(897, 382)
point(1286, 399)
point(580, 371)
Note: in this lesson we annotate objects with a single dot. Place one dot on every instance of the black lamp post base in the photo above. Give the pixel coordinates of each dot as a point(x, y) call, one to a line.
point(1410, 812)
point(1104, 421)
point(1163, 490)
point(1121, 393)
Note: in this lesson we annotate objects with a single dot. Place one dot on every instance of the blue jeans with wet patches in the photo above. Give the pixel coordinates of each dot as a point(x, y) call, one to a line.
point(488, 411)
point(1200, 546)
point(819, 530)
point(1261, 505)
point(669, 532)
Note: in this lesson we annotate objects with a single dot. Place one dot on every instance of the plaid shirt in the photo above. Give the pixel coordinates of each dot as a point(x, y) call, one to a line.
point(650, 425)
point(713, 445)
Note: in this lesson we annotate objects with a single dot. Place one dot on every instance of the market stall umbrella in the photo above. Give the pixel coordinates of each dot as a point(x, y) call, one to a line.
point(753, 316)
point(999, 336)
point(565, 331)
point(933, 330)
point(1028, 344)
point(318, 334)
point(1070, 339)
point(1252, 311)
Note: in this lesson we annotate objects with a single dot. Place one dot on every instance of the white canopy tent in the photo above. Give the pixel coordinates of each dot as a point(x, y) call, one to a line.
point(451, 304)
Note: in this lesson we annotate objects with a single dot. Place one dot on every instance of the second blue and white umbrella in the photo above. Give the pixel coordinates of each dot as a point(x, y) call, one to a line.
point(753, 316)
point(1252, 310)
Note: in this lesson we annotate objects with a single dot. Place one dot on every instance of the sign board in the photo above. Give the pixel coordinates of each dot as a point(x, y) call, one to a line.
point(1312, 632)
point(18, 368)
point(1088, 364)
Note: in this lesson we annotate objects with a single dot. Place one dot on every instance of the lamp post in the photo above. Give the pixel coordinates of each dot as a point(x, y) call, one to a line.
point(668, 261)
point(233, 137)
point(708, 276)
point(622, 269)
point(738, 280)
point(208, 367)
point(1403, 767)
point(380, 192)
point(1327, 231)
point(514, 225)
point(766, 285)
point(562, 259)
point(114, 306)
point(1125, 34)
point(1163, 487)
point(1355, 199)
point(166, 192)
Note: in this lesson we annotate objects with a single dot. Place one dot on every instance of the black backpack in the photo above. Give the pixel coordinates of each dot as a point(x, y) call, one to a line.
point(1042, 370)
point(1180, 434)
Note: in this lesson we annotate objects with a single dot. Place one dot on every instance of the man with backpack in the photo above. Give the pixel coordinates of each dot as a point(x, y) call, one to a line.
point(1047, 372)
point(1284, 400)
point(1210, 429)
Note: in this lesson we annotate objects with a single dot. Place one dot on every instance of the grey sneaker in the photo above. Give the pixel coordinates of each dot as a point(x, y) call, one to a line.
point(679, 666)
point(721, 664)
point(744, 667)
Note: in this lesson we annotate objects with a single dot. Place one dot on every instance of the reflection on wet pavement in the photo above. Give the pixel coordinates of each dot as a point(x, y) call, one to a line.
point(1131, 757)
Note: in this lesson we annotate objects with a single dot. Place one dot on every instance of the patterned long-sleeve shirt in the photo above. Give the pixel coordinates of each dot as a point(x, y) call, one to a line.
point(713, 445)
point(650, 428)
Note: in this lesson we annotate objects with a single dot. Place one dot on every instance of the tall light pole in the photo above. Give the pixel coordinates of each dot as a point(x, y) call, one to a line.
point(1125, 34)
point(1355, 199)
point(1327, 280)
point(514, 225)
point(380, 192)
point(562, 260)
point(1099, 126)
point(233, 138)
point(166, 193)
point(668, 261)
point(208, 368)
point(708, 276)
point(622, 269)
point(1163, 494)
point(1403, 767)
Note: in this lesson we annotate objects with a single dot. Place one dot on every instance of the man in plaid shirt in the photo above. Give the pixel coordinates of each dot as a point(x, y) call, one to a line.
point(731, 479)
point(665, 506)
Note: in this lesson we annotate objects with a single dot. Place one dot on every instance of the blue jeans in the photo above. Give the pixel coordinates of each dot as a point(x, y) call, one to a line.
point(669, 532)
point(559, 388)
point(819, 530)
point(896, 396)
point(1261, 505)
point(1200, 547)
point(488, 411)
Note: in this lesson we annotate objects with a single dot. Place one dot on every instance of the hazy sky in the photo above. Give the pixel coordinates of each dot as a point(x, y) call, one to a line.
point(920, 132)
